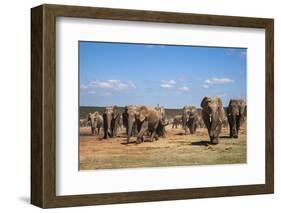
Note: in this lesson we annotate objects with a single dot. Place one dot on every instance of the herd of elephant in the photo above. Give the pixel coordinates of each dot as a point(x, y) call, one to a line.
point(141, 121)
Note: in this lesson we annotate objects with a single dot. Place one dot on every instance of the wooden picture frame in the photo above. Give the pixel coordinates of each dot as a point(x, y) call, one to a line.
point(43, 105)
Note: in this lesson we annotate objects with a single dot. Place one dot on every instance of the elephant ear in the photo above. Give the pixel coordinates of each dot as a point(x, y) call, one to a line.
point(205, 101)
point(242, 106)
point(220, 109)
point(228, 108)
point(193, 110)
point(115, 112)
point(143, 113)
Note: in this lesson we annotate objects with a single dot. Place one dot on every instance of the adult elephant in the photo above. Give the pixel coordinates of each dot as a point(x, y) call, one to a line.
point(149, 120)
point(129, 121)
point(235, 115)
point(96, 122)
point(190, 119)
point(163, 122)
point(110, 121)
point(145, 120)
point(213, 116)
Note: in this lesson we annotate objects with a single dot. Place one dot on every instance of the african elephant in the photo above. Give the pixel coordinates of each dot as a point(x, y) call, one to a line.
point(83, 122)
point(110, 121)
point(148, 120)
point(96, 122)
point(190, 119)
point(161, 127)
point(235, 115)
point(200, 122)
point(129, 121)
point(120, 123)
point(144, 120)
point(213, 115)
point(177, 120)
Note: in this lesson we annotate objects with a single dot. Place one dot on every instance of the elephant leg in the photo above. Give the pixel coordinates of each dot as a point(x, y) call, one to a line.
point(154, 131)
point(105, 133)
point(238, 126)
point(230, 129)
point(152, 136)
point(143, 130)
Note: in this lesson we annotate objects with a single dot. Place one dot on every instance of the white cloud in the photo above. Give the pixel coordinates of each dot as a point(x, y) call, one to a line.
point(132, 84)
point(83, 87)
point(183, 89)
point(167, 86)
point(112, 84)
point(113, 81)
point(218, 81)
point(206, 86)
point(168, 83)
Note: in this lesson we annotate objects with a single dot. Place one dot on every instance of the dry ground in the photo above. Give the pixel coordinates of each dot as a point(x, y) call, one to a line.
point(174, 150)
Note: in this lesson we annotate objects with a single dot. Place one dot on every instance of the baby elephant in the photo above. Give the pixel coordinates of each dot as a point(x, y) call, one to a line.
point(96, 122)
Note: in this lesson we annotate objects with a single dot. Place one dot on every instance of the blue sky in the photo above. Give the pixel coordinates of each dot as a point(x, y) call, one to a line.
point(172, 76)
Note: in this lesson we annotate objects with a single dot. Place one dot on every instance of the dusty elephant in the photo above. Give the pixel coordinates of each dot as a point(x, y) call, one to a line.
point(129, 121)
point(110, 121)
point(148, 120)
point(177, 120)
point(190, 119)
point(96, 122)
point(235, 115)
point(145, 119)
point(213, 115)
point(83, 122)
point(163, 122)
point(200, 121)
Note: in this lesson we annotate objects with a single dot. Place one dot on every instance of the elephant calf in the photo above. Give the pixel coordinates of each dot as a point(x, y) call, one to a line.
point(190, 119)
point(235, 115)
point(177, 120)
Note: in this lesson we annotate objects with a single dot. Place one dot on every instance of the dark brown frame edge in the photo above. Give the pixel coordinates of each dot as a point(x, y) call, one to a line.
point(43, 105)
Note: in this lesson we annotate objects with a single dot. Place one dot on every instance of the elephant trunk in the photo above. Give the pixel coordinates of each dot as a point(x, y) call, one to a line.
point(184, 123)
point(129, 129)
point(233, 127)
point(108, 121)
point(214, 128)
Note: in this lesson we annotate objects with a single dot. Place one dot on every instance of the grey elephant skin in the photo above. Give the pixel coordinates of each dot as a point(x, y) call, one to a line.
point(177, 120)
point(111, 117)
point(190, 119)
point(163, 122)
point(213, 115)
point(96, 122)
point(129, 121)
point(144, 120)
point(235, 116)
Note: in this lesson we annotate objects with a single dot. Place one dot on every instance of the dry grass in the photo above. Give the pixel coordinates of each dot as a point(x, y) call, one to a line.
point(174, 150)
